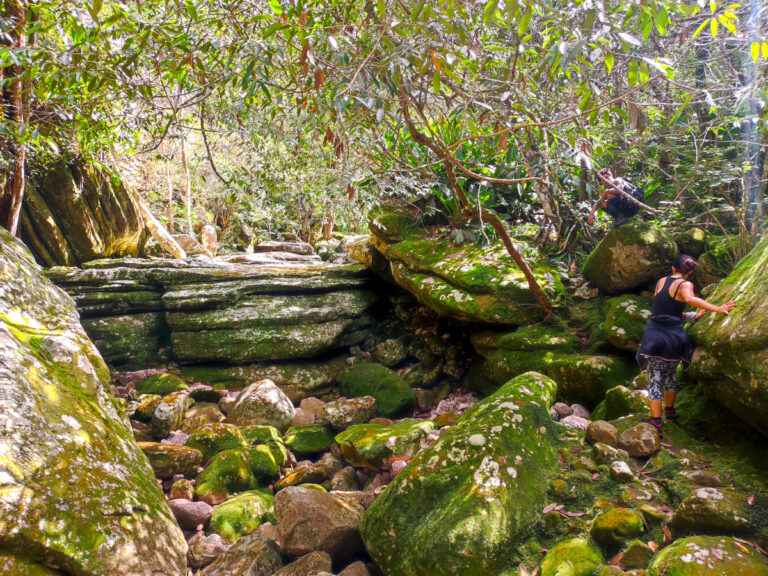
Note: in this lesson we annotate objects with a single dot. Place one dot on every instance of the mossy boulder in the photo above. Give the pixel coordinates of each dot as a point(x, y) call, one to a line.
point(580, 378)
point(575, 557)
point(372, 445)
point(263, 463)
point(162, 384)
point(466, 281)
point(227, 473)
point(146, 406)
point(391, 222)
point(707, 556)
point(390, 352)
point(629, 257)
point(242, 514)
point(625, 318)
point(393, 396)
point(129, 341)
point(731, 357)
point(716, 263)
point(712, 511)
point(264, 404)
point(692, 242)
point(345, 412)
point(77, 492)
point(214, 438)
point(465, 503)
point(308, 439)
point(621, 401)
point(612, 528)
point(167, 459)
point(268, 436)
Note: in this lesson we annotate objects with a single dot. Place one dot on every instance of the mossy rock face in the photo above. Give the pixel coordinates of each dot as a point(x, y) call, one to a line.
point(717, 263)
point(227, 473)
point(263, 464)
point(162, 384)
point(731, 358)
point(371, 445)
point(629, 257)
point(707, 556)
point(712, 511)
point(575, 557)
point(129, 342)
point(19, 566)
point(391, 223)
point(466, 281)
point(580, 378)
point(625, 318)
point(527, 338)
point(393, 396)
point(308, 439)
point(621, 401)
point(79, 489)
point(268, 436)
point(167, 459)
point(214, 438)
point(692, 242)
point(464, 504)
point(612, 528)
point(242, 514)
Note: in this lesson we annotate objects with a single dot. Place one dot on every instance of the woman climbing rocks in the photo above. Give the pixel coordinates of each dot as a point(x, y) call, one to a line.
point(665, 343)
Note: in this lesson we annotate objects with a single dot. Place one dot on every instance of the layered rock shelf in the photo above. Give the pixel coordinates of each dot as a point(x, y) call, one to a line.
point(229, 322)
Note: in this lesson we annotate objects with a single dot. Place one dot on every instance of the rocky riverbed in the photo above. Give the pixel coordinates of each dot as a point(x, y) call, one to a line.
point(295, 417)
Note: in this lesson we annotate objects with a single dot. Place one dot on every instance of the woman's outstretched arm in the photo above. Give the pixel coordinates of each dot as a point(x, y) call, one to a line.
point(686, 291)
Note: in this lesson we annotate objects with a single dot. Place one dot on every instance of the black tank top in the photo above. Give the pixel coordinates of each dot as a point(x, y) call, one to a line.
point(666, 305)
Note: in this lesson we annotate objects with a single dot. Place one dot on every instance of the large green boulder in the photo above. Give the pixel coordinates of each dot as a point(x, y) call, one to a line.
point(615, 526)
point(625, 318)
point(77, 495)
point(708, 556)
point(464, 504)
point(576, 557)
point(393, 396)
point(227, 473)
point(162, 384)
point(216, 437)
point(580, 377)
point(464, 280)
point(731, 357)
point(630, 256)
point(308, 439)
point(242, 514)
point(267, 436)
point(716, 263)
point(372, 445)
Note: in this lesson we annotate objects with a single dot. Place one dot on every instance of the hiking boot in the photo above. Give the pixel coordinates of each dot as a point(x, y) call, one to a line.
point(656, 423)
point(670, 414)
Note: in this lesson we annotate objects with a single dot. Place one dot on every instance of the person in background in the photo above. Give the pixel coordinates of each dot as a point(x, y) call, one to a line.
point(621, 208)
point(665, 344)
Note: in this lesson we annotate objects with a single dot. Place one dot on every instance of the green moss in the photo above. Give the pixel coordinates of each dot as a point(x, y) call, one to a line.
point(263, 464)
point(620, 401)
point(227, 473)
point(308, 439)
point(161, 384)
point(625, 318)
point(707, 556)
point(167, 459)
point(391, 222)
point(692, 242)
point(465, 504)
point(575, 557)
point(371, 445)
point(393, 395)
point(242, 514)
point(268, 436)
point(612, 528)
point(216, 437)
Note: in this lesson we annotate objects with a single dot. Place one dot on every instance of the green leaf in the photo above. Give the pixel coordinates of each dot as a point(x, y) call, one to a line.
point(277, 8)
point(584, 102)
point(661, 18)
point(490, 10)
point(713, 25)
point(754, 49)
point(765, 50)
point(700, 28)
point(191, 9)
point(644, 72)
point(525, 21)
point(96, 7)
point(609, 62)
point(632, 73)
point(589, 20)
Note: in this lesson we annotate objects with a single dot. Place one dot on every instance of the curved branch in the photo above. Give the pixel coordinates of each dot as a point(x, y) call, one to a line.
point(207, 147)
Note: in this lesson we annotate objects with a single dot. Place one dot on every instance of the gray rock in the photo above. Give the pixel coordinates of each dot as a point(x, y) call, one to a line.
point(253, 555)
point(313, 564)
point(169, 414)
point(302, 417)
point(205, 549)
point(190, 515)
point(580, 411)
point(621, 472)
point(356, 569)
point(576, 422)
point(345, 480)
point(640, 441)
point(314, 406)
point(262, 403)
point(199, 415)
point(712, 511)
point(605, 454)
point(562, 409)
point(343, 413)
point(312, 521)
point(602, 431)
point(390, 352)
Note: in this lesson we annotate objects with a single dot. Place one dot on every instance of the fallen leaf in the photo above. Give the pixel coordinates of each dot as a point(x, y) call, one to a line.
point(652, 545)
point(576, 514)
point(559, 507)
point(742, 547)
point(717, 553)
point(595, 476)
point(616, 559)
point(549, 507)
point(667, 533)
point(751, 500)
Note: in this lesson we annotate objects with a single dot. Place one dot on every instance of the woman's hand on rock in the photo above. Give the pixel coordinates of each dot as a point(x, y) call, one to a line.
point(726, 308)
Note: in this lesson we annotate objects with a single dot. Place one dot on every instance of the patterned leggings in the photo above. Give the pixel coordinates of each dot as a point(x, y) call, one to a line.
point(662, 375)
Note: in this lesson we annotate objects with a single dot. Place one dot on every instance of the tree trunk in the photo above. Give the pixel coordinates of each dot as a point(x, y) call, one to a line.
point(13, 111)
point(187, 182)
point(170, 190)
point(159, 233)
